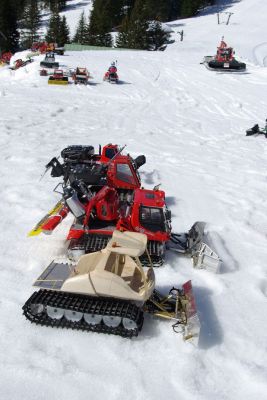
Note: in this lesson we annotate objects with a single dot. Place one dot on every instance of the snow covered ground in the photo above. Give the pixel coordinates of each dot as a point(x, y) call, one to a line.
point(190, 123)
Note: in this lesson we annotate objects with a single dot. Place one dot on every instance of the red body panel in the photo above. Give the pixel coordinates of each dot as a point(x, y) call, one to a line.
point(224, 53)
point(54, 220)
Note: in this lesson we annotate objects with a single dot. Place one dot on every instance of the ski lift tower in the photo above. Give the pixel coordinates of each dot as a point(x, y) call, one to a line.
point(222, 15)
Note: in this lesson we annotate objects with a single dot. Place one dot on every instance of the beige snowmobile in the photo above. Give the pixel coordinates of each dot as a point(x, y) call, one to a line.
point(109, 291)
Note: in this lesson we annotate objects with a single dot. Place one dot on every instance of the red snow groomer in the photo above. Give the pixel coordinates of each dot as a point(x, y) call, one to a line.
point(103, 192)
point(224, 60)
point(5, 58)
point(20, 63)
point(81, 76)
point(58, 78)
point(111, 75)
point(44, 47)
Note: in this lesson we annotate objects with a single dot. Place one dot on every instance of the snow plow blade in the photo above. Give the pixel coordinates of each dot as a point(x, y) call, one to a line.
point(52, 81)
point(191, 330)
point(192, 244)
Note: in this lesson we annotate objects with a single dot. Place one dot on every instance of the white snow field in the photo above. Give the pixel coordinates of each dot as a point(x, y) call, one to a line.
point(190, 123)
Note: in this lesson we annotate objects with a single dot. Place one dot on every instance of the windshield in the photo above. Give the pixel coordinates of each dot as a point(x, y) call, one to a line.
point(124, 173)
point(152, 218)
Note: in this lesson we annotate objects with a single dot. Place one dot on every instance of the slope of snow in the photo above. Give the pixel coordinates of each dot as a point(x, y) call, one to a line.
point(190, 123)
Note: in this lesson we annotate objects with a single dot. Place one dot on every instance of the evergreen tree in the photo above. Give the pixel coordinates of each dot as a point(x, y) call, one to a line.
point(158, 10)
point(64, 32)
point(158, 37)
point(53, 30)
point(30, 23)
point(81, 31)
point(100, 25)
point(54, 5)
point(189, 8)
point(123, 35)
point(135, 35)
point(9, 35)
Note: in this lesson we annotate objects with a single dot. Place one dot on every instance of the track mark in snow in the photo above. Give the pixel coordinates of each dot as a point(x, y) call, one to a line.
point(58, 111)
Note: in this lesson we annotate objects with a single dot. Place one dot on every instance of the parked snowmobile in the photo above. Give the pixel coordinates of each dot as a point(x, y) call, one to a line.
point(58, 78)
point(103, 192)
point(108, 291)
point(111, 75)
point(224, 60)
point(81, 76)
point(256, 130)
point(49, 61)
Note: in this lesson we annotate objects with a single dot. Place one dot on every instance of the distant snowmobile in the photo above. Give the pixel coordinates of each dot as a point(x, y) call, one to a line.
point(224, 60)
point(256, 130)
point(111, 75)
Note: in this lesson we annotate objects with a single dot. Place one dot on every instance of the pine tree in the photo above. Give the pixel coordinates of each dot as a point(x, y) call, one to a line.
point(9, 35)
point(136, 36)
point(81, 31)
point(64, 32)
point(100, 25)
point(158, 37)
point(189, 8)
point(123, 35)
point(30, 23)
point(54, 5)
point(53, 31)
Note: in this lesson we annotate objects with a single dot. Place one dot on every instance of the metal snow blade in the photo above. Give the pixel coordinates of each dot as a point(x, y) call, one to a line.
point(192, 244)
point(191, 330)
point(178, 306)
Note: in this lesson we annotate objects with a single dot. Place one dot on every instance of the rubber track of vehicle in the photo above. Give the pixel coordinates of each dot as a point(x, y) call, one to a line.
point(92, 243)
point(84, 304)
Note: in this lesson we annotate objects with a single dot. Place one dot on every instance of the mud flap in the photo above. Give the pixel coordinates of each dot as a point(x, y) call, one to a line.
point(191, 330)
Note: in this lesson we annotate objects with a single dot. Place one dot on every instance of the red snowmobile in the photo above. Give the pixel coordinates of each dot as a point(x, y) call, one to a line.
point(224, 60)
point(103, 192)
point(111, 75)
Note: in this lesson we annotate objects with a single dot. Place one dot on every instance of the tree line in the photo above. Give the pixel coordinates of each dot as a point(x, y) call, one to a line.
point(138, 22)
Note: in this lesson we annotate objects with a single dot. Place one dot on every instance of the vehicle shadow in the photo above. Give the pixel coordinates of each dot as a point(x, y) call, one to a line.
point(211, 333)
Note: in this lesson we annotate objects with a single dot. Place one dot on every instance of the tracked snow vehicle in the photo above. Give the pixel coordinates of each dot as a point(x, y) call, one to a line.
point(81, 76)
point(103, 192)
point(49, 61)
point(256, 130)
point(224, 60)
point(20, 63)
point(109, 292)
point(58, 78)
